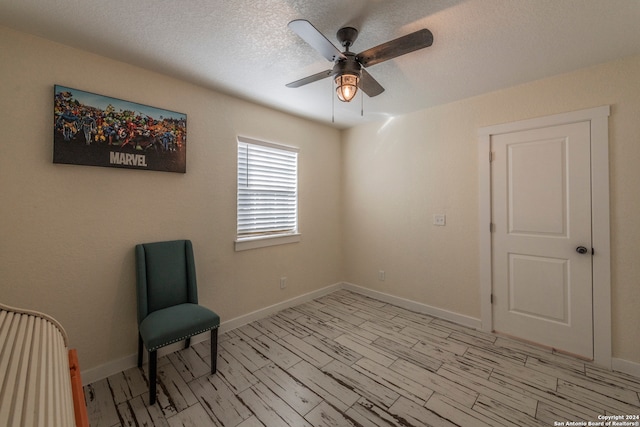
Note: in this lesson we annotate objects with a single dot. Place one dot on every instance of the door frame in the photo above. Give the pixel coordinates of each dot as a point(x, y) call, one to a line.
point(600, 218)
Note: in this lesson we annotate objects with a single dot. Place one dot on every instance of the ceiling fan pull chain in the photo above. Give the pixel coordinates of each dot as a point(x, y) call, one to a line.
point(361, 104)
point(333, 104)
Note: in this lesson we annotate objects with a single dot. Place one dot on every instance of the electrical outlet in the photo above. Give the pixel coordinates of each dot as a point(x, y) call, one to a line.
point(381, 275)
point(283, 282)
point(439, 219)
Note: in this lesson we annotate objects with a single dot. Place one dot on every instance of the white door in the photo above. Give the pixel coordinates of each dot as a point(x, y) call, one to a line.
point(541, 239)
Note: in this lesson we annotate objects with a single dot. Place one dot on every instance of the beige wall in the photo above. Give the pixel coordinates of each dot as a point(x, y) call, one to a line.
point(67, 232)
point(399, 173)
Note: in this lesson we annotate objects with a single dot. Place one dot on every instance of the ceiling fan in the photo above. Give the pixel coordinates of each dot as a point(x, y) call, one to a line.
point(349, 68)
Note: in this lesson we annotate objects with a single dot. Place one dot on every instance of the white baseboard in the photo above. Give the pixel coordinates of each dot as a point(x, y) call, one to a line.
point(103, 371)
point(267, 311)
point(626, 367)
point(451, 316)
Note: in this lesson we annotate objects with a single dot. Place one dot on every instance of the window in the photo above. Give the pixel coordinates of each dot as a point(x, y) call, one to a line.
point(267, 194)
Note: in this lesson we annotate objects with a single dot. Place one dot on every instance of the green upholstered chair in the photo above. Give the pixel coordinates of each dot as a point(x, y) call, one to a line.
point(168, 309)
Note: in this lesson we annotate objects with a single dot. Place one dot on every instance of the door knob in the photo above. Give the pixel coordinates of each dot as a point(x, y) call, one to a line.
point(582, 250)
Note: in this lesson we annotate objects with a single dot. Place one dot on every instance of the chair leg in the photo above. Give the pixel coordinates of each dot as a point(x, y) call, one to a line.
point(153, 365)
point(214, 350)
point(187, 342)
point(140, 348)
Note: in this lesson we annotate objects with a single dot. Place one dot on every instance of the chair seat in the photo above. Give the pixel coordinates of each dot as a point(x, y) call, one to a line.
point(176, 323)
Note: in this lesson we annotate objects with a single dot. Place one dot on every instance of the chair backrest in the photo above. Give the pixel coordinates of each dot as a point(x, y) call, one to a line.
point(165, 276)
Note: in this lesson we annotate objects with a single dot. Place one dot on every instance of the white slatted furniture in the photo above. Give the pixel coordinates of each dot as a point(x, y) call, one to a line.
point(39, 376)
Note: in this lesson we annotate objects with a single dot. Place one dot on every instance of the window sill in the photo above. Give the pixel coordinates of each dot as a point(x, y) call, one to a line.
point(264, 241)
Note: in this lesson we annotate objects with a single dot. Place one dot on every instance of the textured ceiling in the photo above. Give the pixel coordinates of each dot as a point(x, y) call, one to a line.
point(244, 47)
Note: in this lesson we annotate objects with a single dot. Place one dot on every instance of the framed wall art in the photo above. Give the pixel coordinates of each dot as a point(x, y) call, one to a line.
point(97, 130)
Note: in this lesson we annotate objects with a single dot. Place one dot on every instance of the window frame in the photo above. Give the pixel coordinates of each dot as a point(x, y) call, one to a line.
point(259, 241)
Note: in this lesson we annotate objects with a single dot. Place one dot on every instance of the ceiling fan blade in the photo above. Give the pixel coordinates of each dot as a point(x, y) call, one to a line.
point(315, 39)
point(310, 79)
point(369, 85)
point(394, 48)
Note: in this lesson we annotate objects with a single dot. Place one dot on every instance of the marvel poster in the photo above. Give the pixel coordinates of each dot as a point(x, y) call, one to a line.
point(97, 130)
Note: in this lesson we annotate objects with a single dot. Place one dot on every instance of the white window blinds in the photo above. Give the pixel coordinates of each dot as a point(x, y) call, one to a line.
point(267, 189)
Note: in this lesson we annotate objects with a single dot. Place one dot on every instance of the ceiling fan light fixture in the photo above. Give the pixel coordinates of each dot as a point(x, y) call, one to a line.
point(346, 86)
point(348, 70)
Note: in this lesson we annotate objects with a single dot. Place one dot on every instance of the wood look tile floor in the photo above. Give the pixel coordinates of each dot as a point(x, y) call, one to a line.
point(349, 360)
